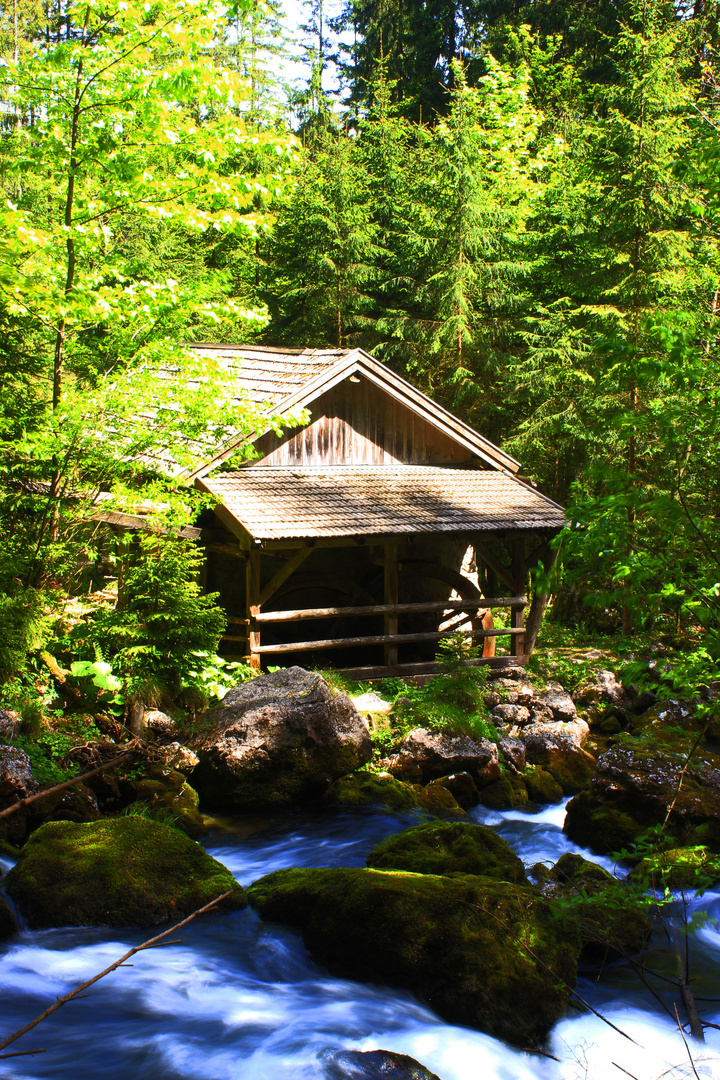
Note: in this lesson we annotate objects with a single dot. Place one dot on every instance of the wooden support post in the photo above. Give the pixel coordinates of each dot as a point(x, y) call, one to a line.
point(285, 571)
point(252, 606)
point(517, 614)
point(391, 597)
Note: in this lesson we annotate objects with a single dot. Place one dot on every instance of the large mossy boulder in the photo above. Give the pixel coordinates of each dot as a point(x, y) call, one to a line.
point(276, 740)
point(449, 847)
point(635, 783)
point(486, 953)
point(611, 916)
point(371, 789)
point(125, 871)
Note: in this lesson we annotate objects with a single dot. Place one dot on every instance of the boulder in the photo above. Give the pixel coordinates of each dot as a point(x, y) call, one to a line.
point(158, 725)
point(456, 941)
point(611, 918)
point(8, 922)
point(16, 782)
point(426, 755)
point(512, 751)
point(179, 757)
point(9, 724)
point(557, 747)
point(678, 868)
point(635, 783)
point(167, 796)
point(511, 714)
point(125, 871)
point(372, 1065)
point(371, 789)
point(500, 795)
point(555, 698)
point(372, 703)
point(514, 672)
point(541, 786)
point(462, 787)
point(438, 800)
point(449, 847)
point(280, 738)
point(16, 777)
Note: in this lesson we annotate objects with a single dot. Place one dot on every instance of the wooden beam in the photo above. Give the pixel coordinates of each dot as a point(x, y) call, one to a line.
point(252, 606)
point(431, 667)
point(391, 600)
point(517, 614)
point(285, 571)
point(377, 639)
point(300, 614)
point(507, 576)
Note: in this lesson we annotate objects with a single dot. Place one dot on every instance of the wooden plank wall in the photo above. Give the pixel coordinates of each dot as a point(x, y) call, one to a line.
point(356, 423)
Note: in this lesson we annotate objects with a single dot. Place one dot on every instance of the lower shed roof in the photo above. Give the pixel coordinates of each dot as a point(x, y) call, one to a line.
point(351, 500)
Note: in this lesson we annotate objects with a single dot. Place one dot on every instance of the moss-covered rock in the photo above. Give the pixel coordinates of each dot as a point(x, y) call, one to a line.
point(486, 953)
point(679, 868)
point(371, 789)
point(499, 795)
point(127, 871)
point(611, 918)
point(168, 796)
point(636, 780)
point(449, 847)
point(437, 800)
point(8, 923)
point(462, 786)
point(541, 786)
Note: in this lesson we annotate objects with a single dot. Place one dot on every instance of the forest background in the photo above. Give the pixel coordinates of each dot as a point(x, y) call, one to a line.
point(514, 205)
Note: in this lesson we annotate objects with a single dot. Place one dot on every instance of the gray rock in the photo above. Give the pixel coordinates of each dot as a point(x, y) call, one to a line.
point(158, 725)
point(574, 734)
point(558, 701)
point(425, 755)
point(16, 778)
point(557, 747)
point(278, 739)
point(511, 714)
point(179, 757)
point(9, 724)
point(515, 672)
point(513, 754)
point(463, 788)
point(604, 689)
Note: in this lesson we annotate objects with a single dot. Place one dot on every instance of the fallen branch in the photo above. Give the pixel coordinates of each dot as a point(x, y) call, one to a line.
point(62, 787)
point(78, 991)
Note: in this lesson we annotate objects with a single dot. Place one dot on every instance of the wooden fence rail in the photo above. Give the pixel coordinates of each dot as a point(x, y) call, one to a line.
point(379, 639)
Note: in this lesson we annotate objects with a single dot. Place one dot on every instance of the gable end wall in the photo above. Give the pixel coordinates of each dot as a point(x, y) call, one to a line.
point(356, 423)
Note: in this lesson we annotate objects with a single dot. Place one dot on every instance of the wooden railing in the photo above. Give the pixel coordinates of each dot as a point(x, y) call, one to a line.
point(252, 626)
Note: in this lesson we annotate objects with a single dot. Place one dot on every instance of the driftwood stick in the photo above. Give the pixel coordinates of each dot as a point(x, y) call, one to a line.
point(61, 787)
point(22, 1053)
point(78, 991)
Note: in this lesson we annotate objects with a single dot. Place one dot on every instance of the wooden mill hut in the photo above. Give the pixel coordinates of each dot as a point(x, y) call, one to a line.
point(371, 531)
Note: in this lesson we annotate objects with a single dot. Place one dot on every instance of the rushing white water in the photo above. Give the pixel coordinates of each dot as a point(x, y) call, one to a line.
point(240, 999)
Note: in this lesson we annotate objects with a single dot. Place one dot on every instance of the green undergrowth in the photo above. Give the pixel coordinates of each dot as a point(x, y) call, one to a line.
point(452, 701)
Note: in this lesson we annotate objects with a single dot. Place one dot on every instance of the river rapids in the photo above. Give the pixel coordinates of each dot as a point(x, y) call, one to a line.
point(239, 999)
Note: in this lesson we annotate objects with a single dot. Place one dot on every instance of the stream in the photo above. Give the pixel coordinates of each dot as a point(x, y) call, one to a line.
point(239, 999)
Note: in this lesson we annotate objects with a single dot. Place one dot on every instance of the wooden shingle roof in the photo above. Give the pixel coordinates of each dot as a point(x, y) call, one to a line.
point(352, 500)
point(269, 375)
